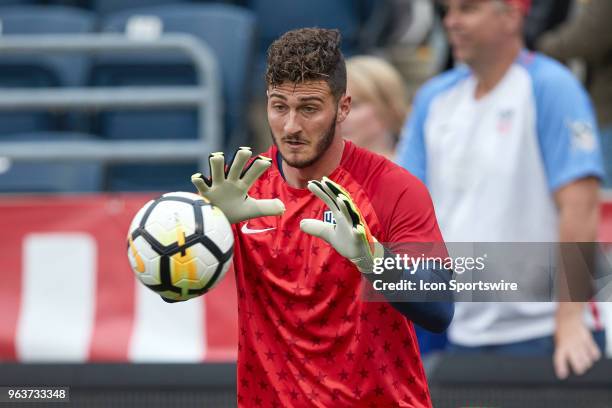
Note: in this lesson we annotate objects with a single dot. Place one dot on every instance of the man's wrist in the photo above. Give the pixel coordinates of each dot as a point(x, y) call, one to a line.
point(569, 311)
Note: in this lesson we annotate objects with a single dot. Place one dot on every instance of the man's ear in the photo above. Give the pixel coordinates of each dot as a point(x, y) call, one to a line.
point(515, 20)
point(344, 107)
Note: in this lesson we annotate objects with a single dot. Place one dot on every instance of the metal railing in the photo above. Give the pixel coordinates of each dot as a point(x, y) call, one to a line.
point(205, 97)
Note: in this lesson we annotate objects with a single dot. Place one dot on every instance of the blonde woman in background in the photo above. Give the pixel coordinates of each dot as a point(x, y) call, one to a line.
point(379, 104)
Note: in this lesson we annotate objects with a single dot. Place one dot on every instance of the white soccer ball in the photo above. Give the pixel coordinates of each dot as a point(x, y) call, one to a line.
point(180, 246)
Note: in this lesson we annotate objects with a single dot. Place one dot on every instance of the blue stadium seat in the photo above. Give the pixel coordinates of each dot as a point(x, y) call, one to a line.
point(105, 7)
point(163, 177)
point(16, 2)
point(40, 70)
point(227, 30)
point(51, 177)
point(276, 17)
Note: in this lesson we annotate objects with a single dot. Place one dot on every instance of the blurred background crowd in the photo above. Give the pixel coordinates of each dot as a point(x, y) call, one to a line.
point(393, 47)
point(130, 96)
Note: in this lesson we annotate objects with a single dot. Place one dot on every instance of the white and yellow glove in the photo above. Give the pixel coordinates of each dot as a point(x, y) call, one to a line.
point(229, 191)
point(350, 236)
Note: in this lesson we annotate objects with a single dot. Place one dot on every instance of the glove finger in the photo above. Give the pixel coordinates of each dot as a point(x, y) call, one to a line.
point(255, 170)
point(318, 229)
point(366, 239)
point(335, 188)
point(338, 190)
point(268, 207)
point(334, 191)
point(348, 210)
point(359, 225)
point(217, 171)
point(200, 183)
point(341, 202)
point(241, 157)
point(169, 300)
point(318, 189)
point(329, 191)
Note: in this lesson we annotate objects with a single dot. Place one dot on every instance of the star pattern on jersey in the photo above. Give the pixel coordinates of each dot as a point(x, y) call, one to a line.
point(297, 289)
point(395, 326)
point(288, 305)
point(340, 283)
point(363, 372)
point(328, 356)
point(346, 318)
point(293, 394)
point(285, 271)
point(307, 335)
point(282, 375)
point(382, 309)
point(270, 355)
point(335, 393)
point(298, 252)
point(300, 325)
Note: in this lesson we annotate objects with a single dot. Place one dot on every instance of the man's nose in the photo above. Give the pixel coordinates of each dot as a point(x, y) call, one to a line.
point(450, 19)
point(292, 125)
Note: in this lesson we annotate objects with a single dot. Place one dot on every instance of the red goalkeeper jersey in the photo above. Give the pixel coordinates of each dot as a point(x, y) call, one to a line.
point(307, 339)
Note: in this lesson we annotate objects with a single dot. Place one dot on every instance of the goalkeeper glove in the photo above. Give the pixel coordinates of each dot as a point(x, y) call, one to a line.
point(350, 236)
point(229, 191)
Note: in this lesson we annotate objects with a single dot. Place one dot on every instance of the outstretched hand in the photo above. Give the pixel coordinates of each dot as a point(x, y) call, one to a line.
point(229, 191)
point(350, 236)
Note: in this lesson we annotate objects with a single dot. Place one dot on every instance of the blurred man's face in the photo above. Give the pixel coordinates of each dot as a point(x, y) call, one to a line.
point(303, 119)
point(476, 28)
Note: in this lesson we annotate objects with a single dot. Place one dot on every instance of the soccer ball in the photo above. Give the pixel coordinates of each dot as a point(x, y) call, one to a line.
point(180, 246)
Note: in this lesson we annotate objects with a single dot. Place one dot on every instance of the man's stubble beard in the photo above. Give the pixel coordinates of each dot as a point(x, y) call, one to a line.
point(321, 147)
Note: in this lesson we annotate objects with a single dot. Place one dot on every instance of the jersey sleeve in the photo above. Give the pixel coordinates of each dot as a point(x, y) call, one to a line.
point(412, 154)
point(409, 216)
point(567, 130)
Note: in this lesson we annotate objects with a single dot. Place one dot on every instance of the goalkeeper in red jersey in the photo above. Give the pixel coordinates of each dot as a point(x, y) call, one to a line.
point(308, 217)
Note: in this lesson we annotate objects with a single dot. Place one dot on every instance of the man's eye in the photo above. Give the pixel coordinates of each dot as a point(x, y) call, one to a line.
point(468, 8)
point(279, 108)
point(309, 109)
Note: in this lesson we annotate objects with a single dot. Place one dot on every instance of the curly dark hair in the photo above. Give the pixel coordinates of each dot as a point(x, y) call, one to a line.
point(307, 54)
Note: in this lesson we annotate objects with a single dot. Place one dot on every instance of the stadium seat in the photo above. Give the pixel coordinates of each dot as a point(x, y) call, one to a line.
point(105, 7)
point(227, 30)
point(16, 2)
point(49, 177)
point(35, 71)
point(150, 177)
point(278, 16)
point(275, 17)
